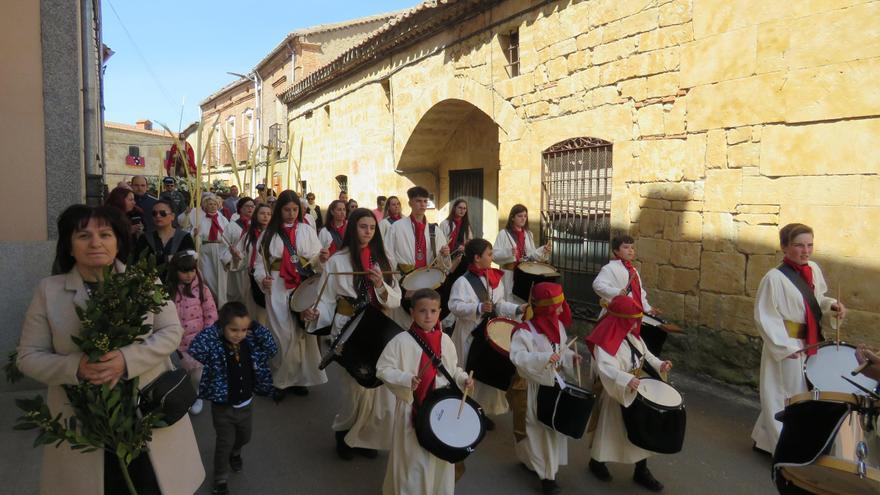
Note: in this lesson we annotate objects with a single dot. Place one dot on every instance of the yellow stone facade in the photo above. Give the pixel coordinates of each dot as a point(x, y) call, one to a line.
point(152, 144)
point(728, 119)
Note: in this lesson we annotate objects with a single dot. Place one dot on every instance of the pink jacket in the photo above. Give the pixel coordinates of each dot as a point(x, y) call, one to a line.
point(194, 314)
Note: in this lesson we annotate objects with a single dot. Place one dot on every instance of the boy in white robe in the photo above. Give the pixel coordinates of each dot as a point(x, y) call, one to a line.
point(539, 353)
point(404, 368)
point(614, 362)
point(295, 366)
point(514, 243)
point(470, 309)
point(364, 422)
point(788, 325)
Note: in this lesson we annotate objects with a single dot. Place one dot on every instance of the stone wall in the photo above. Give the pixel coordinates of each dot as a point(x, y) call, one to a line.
point(152, 144)
point(728, 118)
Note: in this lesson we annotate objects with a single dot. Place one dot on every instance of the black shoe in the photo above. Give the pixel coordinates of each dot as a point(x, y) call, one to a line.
point(646, 479)
point(301, 391)
point(760, 450)
point(344, 452)
point(600, 470)
point(368, 453)
point(550, 486)
point(277, 395)
point(236, 463)
point(220, 488)
point(490, 425)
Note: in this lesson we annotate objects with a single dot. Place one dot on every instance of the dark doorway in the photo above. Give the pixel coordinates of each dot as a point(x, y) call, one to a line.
point(468, 184)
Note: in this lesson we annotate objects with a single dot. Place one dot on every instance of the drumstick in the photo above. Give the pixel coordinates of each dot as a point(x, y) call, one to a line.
point(860, 368)
point(837, 317)
point(577, 363)
point(320, 293)
point(567, 346)
point(392, 272)
point(464, 397)
point(807, 348)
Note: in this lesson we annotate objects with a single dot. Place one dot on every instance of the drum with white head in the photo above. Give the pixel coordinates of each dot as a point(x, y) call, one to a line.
point(442, 431)
point(423, 278)
point(825, 369)
point(305, 295)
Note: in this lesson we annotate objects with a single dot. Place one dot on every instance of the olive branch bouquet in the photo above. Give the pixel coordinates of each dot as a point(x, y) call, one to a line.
point(104, 417)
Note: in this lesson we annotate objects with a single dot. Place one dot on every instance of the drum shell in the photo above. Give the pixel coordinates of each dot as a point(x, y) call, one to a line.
point(523, 282)
point(655, 427)
point(565, 410)
point(426, 437)
point(488, 364)
point(361, 351)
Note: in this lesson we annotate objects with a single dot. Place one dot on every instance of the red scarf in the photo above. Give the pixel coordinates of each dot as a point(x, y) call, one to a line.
point(420, 246)
point(254, 249)
point(216, 230)
point(493, 275)
point(453, 236)
point(520, 243)
point(429, 375)
point(806, 271)
point(367, 265)
point(634, 284)
point(341, 230)
point(546, 298)
point(623, 317)
point(288, 270)
point(245, 224)
point(393, 218)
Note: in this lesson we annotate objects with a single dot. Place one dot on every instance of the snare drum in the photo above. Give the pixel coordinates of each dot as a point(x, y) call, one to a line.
point(565, 410)
point(423, 278)
point(831, 361)
point(489, 354)
point(529, 273)
point(656, 419)
point(828, 445)
point(442, 431)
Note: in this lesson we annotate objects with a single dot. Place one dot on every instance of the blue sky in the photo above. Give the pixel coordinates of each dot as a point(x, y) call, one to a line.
point(189, 46)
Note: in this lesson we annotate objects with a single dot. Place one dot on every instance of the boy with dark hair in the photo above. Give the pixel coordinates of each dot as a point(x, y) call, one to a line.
point(235, 353)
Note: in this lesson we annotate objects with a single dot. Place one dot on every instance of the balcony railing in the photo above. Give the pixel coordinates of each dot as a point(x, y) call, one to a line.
point(277, 138)
point(242, 147)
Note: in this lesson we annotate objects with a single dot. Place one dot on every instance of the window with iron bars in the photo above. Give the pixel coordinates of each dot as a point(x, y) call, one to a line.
point(510, 47)
point(576, 215)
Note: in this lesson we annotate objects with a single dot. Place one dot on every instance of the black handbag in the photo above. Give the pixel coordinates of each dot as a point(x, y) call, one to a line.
point(171, 395)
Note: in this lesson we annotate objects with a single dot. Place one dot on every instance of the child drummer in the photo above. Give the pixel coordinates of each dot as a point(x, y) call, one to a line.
point(616, 346)
point(478, 294)
point(406, 370)
point(538, 351)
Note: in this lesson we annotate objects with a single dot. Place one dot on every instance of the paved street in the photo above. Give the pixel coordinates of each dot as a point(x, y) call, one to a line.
point(292, 453)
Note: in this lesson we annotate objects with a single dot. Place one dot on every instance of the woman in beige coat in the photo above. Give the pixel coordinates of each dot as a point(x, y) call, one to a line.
point(89, 240)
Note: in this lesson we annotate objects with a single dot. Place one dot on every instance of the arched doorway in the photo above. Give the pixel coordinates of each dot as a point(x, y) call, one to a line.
point(453, 152)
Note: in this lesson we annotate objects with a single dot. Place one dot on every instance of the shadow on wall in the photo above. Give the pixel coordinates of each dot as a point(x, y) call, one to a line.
point(702, 268)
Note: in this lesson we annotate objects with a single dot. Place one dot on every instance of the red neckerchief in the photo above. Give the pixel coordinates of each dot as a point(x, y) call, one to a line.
point(429, 374)
point(245, 224)
point(634, 284)
point(456, 228)
point(288, 270)
point(493, 275)
point(806, 271)
point(520, 243)
point(367, 265)
point(216, 230)
point(254, 249)
point(393, 218)
point(341, 230)
point(420, 246)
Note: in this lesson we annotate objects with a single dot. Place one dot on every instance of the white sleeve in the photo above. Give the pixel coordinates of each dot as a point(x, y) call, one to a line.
point(532, 365)
point(770, 321)
point(389, 370)
point(503, 251)
point(614, 380)
point(604, 284)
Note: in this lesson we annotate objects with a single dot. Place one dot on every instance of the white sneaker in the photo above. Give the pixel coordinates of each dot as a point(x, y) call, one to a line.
point(196, 407)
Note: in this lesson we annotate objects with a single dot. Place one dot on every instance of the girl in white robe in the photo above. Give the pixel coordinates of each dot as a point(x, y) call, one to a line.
point(238, 279)
point(457, 229)
point(334, 227)
point(296, 363)
point(213, 246)
point(515, 242)
point(535, 345)
point(779, 305)
point(469, 310)
point(248, 246)
point(391, 214)
point(366, 418)
point(412, 470)
point(614, 364)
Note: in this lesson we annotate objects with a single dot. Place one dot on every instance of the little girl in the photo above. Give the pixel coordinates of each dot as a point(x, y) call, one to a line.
point(195, 309)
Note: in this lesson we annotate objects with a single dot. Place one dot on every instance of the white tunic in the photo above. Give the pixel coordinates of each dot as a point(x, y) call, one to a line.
point(778, 300)
point(504, 252)
point(613, 278)
point(385, 228)
point(212, 255)
point(446, 226)
point(464, 304)
point(296, 363)
point(544, 449)
point(366, 413)
point(609, 442)
point(413, 470)
point(238, 280)
point(256, 311)
point(326, 239)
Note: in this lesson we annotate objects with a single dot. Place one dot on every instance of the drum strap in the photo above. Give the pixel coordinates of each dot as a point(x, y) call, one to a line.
point(638, 356)
point(432, 233)
point(805, 291)
point(435, 360)
point(304, 273)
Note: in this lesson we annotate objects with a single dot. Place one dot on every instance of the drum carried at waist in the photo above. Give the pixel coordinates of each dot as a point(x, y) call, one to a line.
point(828, 445)
point(360, 343)
point(442, 431)
point(566, 410)
point(656, 419)
point(305, 296)
point(489, 354)
point(529, 273)
point(832, 361)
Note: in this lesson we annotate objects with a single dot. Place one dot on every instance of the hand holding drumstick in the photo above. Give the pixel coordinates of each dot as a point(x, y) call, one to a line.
point(869, 362)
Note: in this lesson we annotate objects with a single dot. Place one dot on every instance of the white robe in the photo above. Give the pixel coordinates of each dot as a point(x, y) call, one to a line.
point(609, 443)
point(504, 252)
point(212, 256)
point(326, 239)
point(385, 228)
point(446, 226)
point(413, 470)
point(238, 281)
point(296, 363)
point(778, 300)
point(366, 413)
point(613, 278)
point(464, 304)
point(544, 449)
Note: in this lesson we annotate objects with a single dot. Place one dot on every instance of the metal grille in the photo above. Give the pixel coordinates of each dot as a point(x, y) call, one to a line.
point(576, 215)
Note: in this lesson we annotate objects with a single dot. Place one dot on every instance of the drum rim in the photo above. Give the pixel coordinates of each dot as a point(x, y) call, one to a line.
point(448, 391)
point(504, 352)
point(293, 292)
point(661, 406)
point(543, 263)
point(822, 346)
point(423, 270)
point(824, 396)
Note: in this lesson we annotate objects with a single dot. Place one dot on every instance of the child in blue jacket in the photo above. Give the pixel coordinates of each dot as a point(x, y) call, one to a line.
point(235, 353)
